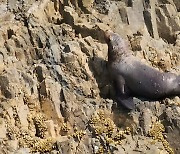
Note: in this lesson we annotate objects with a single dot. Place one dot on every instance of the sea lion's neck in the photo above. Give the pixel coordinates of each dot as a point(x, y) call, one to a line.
point(114, 56)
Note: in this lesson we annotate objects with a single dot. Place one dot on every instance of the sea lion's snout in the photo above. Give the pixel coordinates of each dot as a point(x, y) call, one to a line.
point(113, 38)
point(107, 35)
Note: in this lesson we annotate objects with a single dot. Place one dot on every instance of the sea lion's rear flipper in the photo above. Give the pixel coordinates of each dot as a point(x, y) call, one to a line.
point(123, 94)
point(126, 102)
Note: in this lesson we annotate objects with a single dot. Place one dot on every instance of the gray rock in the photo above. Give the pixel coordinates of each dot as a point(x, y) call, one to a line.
point(65, 145)
point(146, 120)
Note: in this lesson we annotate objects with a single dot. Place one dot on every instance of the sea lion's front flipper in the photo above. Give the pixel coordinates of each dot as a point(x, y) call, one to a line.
point(122, 93)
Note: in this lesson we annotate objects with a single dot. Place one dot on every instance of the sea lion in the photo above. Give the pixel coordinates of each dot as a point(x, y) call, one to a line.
point(133, 78)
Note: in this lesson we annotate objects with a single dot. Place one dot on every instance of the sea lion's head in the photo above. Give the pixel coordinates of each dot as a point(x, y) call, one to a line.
point(117, 47)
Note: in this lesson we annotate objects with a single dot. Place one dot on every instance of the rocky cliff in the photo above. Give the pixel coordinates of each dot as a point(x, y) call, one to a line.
point(55, 92)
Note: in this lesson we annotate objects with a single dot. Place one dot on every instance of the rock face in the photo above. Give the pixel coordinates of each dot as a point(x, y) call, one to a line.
point(55, 94)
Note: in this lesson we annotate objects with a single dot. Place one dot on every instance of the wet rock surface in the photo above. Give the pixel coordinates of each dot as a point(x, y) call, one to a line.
point(55, 92)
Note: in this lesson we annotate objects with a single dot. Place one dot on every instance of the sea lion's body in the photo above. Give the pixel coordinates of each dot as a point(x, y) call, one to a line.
point(131, 76)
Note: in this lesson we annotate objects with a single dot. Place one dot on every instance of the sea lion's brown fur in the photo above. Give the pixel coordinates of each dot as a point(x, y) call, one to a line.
point(130, 76)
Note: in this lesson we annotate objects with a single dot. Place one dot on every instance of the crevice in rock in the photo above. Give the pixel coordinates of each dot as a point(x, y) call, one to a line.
point(4, 85)
point(80, 4)
point(40, 44)
point(26, 24)
point(38, 71)
point(148, 22)
point(10, 33)
point(100, 72)
point(130, 3)
point(124, 16)
point(164, 29)
point(95, 32)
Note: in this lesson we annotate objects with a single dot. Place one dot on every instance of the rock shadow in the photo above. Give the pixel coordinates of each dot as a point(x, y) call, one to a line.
point(98, 67)
point(122, 116)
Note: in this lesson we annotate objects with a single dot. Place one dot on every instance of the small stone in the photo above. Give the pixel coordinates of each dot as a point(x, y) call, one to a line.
point(146, 120)
point(65, 145)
